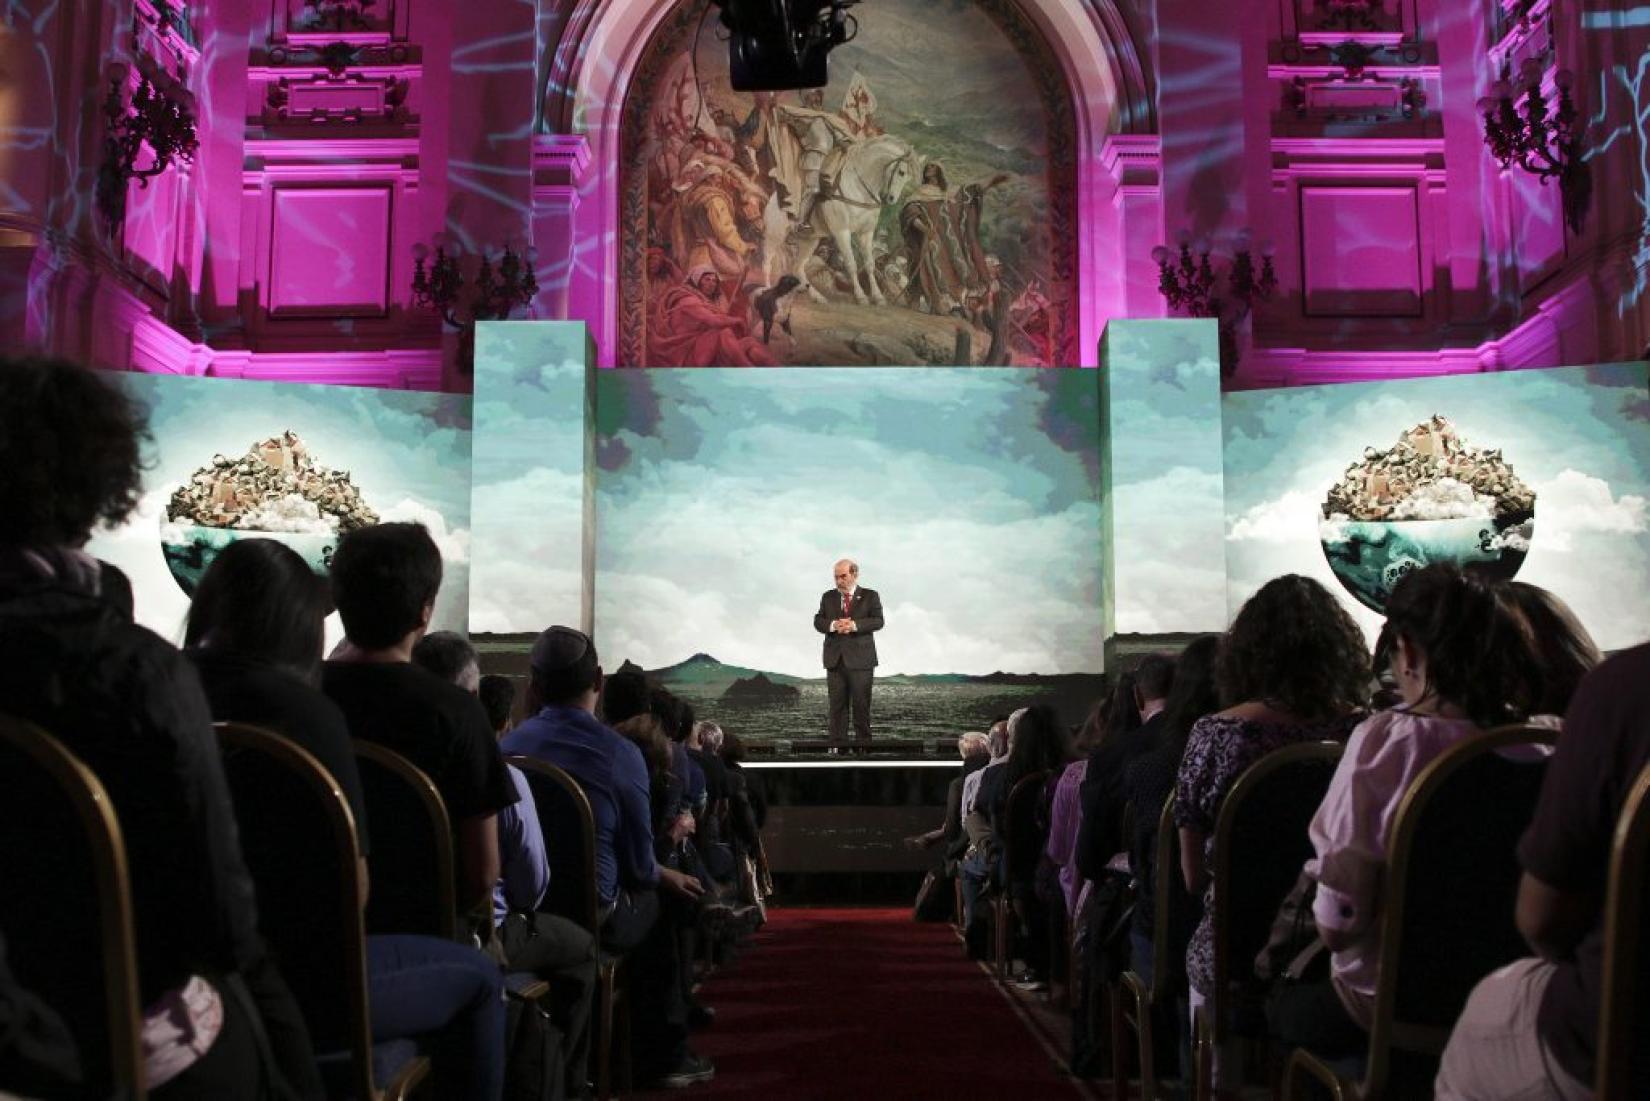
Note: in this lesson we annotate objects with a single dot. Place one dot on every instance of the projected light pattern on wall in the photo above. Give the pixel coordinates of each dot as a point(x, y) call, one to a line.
point(221, 447)
point(1569, 446)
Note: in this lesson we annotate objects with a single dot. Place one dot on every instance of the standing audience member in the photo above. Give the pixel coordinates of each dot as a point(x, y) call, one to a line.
point(1531, 1029)
point(1464, 661)
point(384, 581)
point(255, 632)
point(131, 708)
point(1293, 668)
point(547, 945)
point(563, 730)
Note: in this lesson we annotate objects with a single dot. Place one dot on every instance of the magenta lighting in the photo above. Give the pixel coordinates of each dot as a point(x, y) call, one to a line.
point(1524, 127)
point(1188, 280)
point(438, 283)
point(160, 117)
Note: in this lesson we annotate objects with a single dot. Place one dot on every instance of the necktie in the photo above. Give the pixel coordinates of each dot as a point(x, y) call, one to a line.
point(847, 603)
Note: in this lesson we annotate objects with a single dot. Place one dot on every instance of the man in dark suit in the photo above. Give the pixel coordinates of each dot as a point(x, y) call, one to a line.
point(848, 616)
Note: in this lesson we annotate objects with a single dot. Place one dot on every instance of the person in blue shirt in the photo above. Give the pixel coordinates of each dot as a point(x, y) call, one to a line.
point(565, 684)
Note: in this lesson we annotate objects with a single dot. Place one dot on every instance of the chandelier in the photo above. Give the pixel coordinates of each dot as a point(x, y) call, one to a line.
point(1526, 128)
point(1188, 280)
point(496, 292)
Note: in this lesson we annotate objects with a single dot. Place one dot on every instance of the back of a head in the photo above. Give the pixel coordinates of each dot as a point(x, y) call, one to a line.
point(973, 744)
point(259, 600)
point(1194, 693)
point(1478, 650)
point(1294, 645)
point(1039, 743)
point(449, 656)
point(70, 447)
point(1154, 676)
point(709, 735)
point(498, 698)
point(565, 666)
point(997, 739)
point(663, 705)
point(648, 736)
point(624, 695)
point(1564, 647)
point(383, 577)
point(1122, 710)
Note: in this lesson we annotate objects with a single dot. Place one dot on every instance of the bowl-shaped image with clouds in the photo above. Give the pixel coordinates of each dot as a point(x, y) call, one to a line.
point(277, 490)
point(1430, 498)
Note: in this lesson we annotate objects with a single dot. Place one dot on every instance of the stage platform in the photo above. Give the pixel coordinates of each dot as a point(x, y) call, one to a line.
point(878, 749)
point(836, 826)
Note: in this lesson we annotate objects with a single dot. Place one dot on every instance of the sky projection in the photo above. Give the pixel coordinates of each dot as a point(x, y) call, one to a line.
point(408, 453)
point(970, 498)
point(1579, 436)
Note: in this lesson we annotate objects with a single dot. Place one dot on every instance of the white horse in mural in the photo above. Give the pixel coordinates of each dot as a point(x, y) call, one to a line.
point(873, 175)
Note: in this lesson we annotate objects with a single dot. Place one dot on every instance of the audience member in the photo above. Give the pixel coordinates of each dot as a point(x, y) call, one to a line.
point(1464, 661)
point(975, 750)
point(135, 714)
point(1293, 668)
point(1531, 1029)
point(384, 581)
point(449, 656)
point(1100, 831)
point(975, 867)
point(563, 690)
point(548, 945)
point(255, 633)
point(1567, 652)
point(498, 698)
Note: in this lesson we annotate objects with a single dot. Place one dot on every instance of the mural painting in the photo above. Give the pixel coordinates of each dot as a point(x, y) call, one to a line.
point(918, 210)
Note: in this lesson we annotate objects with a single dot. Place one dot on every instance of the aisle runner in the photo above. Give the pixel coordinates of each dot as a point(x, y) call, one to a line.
point(860, 1004)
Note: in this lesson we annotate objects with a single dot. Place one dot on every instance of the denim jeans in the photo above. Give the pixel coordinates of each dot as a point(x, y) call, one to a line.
point(451, 998)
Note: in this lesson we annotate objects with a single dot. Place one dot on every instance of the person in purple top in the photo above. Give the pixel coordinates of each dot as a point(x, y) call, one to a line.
point(566, 681)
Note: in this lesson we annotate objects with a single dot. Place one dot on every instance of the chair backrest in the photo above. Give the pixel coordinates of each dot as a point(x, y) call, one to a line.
point(569, 828)
point(1166, 869)
point(411, 862)
point(1022, 841)
point(65, 903)
point(1260, 845)
point(1450, 889)
point(1623, 1055)
point(300, 844)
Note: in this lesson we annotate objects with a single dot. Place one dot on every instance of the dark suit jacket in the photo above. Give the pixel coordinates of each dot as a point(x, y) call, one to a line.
point(1101, 796)
point(858, 650)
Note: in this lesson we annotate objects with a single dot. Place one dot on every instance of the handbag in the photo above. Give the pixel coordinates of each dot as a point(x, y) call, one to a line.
point(935, 899)
point(1294, 952)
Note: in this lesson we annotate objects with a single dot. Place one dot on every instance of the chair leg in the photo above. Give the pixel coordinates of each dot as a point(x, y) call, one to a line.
point(604, 1043)
point(1000, 937)
point(1202, 1058)
point(1119, 1049)
point(1143, 1032)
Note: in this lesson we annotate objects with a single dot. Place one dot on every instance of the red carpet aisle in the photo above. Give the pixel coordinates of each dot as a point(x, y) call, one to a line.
point(859, 1004)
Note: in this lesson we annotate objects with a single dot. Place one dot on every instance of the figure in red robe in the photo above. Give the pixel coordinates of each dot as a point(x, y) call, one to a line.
point(693, 326)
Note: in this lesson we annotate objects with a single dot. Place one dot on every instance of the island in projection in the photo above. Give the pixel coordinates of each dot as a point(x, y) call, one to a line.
point(277, 490)
point(1431, 497)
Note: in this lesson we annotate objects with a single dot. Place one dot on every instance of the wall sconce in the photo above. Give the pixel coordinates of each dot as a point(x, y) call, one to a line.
point(1188, 280)
point(497, 291)
point(158, 117)
point(1521, 127)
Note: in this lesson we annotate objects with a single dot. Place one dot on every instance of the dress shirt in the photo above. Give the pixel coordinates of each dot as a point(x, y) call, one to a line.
point(614, 778)
point(524, 869)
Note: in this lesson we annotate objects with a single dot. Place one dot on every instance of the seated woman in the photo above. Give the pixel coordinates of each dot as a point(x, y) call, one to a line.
point(1465, 659)
point(255, 632)
point(1292, 669)
point(129, 706)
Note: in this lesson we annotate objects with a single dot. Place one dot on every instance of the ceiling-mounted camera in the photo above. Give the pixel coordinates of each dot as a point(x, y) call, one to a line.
point(775, 45)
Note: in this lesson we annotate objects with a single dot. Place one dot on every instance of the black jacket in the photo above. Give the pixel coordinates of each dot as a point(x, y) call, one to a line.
point(858, 650)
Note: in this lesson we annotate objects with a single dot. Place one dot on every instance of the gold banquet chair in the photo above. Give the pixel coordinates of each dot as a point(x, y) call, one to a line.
point(1623, 1054)
point(63, 844)
point(299, 840)
point(1135, 1001)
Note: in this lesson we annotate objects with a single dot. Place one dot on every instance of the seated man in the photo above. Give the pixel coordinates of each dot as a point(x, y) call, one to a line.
point(1531, 1028)
point(547, 945)
point(565, 683)
point(384, 582)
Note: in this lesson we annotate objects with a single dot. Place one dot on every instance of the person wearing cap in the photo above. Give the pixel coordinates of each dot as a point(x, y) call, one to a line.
point(564, 684)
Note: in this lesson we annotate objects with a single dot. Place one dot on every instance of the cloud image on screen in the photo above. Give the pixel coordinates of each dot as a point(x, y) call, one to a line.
point(234, 459)
point(1543, 473)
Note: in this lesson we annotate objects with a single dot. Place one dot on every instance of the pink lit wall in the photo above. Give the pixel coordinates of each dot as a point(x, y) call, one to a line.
point(1350, 142)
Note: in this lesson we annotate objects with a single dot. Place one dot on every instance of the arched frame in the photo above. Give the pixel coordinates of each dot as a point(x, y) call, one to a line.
point(1110, 90)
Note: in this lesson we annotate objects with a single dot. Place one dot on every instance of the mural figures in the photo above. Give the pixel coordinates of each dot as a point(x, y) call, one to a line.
point(693, 326)
point(835, 207)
